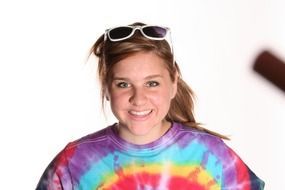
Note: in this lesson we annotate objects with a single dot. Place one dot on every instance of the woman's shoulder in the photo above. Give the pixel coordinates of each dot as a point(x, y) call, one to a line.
point(96, 138)
point(197, 136)
point(198, 133)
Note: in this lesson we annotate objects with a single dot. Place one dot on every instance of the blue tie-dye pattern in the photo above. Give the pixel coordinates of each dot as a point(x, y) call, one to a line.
point(91, 177)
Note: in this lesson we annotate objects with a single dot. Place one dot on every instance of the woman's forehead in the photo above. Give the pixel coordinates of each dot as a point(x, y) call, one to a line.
point(144, 63)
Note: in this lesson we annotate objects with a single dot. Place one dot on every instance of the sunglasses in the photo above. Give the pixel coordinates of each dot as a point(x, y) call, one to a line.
point(152, 32)
point(125, 32)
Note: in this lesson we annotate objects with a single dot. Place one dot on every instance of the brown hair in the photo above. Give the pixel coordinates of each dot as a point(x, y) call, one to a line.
point(109, 53)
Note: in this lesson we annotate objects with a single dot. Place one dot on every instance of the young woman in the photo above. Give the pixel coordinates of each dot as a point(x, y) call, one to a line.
point(156, 143)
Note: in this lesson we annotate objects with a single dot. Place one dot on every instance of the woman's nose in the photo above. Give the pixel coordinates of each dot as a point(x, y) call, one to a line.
point(138, 97)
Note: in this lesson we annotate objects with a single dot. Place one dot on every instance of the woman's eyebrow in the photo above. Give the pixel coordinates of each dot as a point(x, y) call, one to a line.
point(146, 78)
point(154, 76)
point(120, 78)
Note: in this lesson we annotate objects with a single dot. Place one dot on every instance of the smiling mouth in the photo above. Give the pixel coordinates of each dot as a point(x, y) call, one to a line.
point(140, 113)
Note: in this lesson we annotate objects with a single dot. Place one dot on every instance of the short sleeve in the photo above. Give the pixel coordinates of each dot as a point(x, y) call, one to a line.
point(237, 175)
point(56, 176)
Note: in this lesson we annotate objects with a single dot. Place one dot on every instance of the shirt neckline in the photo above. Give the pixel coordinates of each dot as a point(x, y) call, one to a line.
point(154, 147)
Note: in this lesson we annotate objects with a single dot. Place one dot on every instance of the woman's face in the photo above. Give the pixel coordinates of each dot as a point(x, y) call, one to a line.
point(140, 94)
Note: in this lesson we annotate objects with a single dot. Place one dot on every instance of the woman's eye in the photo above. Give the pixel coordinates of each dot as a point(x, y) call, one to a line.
point(152, 83)
point(123, 85)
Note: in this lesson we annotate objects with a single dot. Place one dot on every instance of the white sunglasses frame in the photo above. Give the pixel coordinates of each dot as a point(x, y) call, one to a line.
point(134, 28)
point(166, 37)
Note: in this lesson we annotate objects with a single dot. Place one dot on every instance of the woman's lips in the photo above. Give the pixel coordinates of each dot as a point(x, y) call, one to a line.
point(140, 113)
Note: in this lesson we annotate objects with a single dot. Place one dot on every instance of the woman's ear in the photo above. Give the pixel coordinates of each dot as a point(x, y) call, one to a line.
point(107, 94)
point(175, 84)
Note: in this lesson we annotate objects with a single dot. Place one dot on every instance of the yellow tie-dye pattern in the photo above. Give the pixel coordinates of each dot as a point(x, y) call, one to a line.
point(194, 173)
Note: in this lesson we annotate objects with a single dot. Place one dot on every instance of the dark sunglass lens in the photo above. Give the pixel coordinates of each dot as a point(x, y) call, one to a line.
point(155, 31)
point(120, 32)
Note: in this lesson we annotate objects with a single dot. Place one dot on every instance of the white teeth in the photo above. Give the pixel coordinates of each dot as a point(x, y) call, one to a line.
point(140, 113)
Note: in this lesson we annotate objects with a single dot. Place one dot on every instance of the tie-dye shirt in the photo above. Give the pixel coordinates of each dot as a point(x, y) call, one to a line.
point(183, 158)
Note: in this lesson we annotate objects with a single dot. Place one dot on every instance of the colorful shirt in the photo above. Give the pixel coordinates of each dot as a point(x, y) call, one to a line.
point(183, 158)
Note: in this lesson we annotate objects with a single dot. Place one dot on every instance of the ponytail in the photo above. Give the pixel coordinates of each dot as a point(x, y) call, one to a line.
point(182, 108)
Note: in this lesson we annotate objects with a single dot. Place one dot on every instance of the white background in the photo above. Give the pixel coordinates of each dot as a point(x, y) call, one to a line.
point(49, 94)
